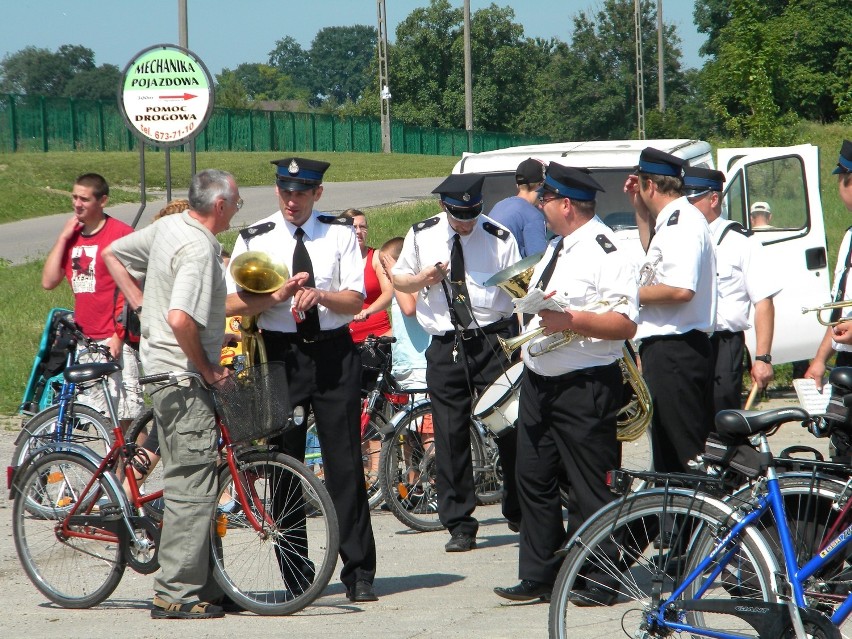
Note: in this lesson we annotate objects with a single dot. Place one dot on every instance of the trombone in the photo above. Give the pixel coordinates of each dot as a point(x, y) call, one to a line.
point(567, 336)
point(255, 272)
point(830, 306)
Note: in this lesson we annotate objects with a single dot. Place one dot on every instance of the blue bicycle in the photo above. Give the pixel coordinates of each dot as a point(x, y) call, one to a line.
point(687, 559)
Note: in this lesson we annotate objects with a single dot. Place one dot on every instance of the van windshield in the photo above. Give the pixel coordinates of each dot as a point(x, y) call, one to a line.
point(613, 207)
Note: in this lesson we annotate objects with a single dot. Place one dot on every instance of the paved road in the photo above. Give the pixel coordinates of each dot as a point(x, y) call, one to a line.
point(424, 592)
point(31, 239)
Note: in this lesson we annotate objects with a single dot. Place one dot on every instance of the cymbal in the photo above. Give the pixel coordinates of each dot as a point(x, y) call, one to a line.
point(510, 271)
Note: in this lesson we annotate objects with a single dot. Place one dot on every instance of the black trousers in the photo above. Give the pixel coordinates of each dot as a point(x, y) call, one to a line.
point(326, 377)
point(564, 423)
point(678, 370)
point(451, 410)
point(728, 351)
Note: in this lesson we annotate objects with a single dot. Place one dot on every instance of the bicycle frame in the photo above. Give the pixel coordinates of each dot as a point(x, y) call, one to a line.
point(796, 576)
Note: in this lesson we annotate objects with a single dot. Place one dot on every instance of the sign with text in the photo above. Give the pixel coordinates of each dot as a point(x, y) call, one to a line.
point(166, 95)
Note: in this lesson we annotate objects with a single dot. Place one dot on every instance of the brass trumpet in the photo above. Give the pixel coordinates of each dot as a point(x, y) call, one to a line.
point(513, 343)
point(830, 306)
point(255, 272)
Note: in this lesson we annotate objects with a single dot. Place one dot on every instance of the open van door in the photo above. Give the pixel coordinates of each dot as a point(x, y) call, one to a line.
point(787, 180)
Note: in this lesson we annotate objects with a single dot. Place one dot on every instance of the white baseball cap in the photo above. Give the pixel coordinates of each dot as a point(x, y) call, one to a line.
point(760, 207)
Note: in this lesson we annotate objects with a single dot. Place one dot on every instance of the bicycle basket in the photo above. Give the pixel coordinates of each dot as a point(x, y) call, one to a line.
point(254, 403)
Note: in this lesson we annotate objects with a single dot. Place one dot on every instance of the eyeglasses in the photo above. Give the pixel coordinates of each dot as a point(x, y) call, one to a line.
point(240, 204)
point(542, 200)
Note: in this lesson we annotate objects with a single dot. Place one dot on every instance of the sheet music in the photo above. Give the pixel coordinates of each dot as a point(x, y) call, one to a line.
point(810, 398)
point(537, 300)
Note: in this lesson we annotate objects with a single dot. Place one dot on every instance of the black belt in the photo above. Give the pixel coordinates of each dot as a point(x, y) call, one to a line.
point(726, 334)
point(467, 333)
point(322, 336)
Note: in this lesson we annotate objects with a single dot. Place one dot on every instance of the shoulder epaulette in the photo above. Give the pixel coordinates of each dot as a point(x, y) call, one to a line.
point(674, 218)
point(606, 245)
point(334, 219)
point(425, 224)
point(254, 231)
point(736, 227)
point(496, 231)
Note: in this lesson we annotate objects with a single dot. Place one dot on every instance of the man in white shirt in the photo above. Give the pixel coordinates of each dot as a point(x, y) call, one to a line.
point(677, 297)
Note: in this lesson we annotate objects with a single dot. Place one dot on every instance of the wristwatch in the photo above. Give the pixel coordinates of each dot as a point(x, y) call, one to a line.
point(764, 358)
point(138, 310)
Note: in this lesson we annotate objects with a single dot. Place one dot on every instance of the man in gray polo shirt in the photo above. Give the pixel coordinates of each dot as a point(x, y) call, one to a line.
point(182, 329)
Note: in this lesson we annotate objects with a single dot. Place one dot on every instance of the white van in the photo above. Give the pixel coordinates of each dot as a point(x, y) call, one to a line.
point(787, 178)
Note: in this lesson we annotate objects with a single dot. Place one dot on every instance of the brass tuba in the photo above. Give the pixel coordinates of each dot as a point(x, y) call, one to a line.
point(255, 272)
point(635, 416)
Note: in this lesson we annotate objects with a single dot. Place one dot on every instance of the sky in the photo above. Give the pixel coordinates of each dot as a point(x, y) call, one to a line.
point(226, 33)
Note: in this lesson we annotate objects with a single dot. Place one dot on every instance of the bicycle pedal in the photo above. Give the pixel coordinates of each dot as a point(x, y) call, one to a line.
point(111, 512)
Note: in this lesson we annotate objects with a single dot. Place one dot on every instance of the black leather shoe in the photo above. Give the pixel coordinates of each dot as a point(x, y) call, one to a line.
point(593, 596)
point(514, 526)
point(527, 590)
point(361, 592)
point(460, 542)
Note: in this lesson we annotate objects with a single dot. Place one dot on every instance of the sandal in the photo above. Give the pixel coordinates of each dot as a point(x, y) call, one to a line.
point(192, 610)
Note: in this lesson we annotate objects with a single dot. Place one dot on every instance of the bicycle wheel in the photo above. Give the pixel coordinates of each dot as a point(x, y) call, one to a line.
point(487, 472)
point(71, 571)
point(407, 471)
point(371, 449)
point(284, 566)
point(649, 541)
point(812, 504)
point(88, 428)
point(139, 432)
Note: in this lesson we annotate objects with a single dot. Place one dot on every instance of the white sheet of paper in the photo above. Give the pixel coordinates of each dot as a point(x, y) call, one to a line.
point(534, 302)
point(810, 398)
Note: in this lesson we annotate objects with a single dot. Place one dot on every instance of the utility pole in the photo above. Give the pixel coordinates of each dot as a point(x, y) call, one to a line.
point(468, 79)
point(183, 38)
point(640, 71)
point(661, 80)
point(384, 87)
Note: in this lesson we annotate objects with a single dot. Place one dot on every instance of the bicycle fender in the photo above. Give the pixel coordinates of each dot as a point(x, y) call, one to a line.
point(402, 415)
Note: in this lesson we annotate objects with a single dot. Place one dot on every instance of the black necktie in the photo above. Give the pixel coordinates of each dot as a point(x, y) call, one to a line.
point(458, 287)
point(546, 274)
point(310, 326)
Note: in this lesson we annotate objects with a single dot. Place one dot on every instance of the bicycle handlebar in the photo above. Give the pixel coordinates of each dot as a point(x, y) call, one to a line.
point(171, 377)
point(80, 336)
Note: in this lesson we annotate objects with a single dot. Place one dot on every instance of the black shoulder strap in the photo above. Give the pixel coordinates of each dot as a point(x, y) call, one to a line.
point(841, 286)
point(495, 230)
point(425, 224)
point(735, 226)
point(253, 231)
point(334, 219)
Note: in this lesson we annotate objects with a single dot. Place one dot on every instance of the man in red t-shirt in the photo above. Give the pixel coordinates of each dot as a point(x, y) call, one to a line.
point(77, 257)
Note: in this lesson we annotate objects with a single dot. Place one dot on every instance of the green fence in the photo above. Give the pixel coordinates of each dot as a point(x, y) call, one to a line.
point(38, 123)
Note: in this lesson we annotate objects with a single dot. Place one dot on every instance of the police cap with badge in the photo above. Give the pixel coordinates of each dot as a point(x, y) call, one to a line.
point(570, 182)
point(299, 174)
point(844, 162)
point(698, 180)
point(655, 162)
point(461, 195)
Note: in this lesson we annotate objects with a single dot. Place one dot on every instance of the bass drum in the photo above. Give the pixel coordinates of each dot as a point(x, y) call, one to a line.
point(497, 407)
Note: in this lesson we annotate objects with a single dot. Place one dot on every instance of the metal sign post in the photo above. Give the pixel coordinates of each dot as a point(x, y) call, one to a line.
point(166, 99)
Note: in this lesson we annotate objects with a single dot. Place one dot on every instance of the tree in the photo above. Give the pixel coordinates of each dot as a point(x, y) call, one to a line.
point(588, 91)
point(251, 82)
point(340, 59)
point(94, 84)
point(291, 60)
point(426, 67)
point(779, 61)
point(36, 71)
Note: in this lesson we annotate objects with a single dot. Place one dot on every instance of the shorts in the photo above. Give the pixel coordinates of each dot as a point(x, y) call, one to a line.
point(123, 385)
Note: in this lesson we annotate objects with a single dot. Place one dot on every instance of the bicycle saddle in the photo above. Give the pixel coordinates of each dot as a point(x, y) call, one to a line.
point(736, 424)
point(87, 372)
point(841, 378)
